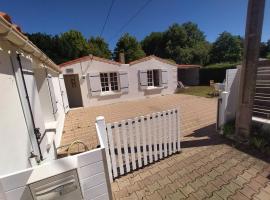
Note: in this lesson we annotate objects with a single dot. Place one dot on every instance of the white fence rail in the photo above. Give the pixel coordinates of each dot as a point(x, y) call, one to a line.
point(134, 143)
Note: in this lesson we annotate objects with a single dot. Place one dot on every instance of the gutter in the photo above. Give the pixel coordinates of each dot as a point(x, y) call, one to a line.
point(11, 33)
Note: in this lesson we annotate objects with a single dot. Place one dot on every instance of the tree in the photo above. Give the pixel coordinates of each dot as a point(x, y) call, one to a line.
point(69, 45)
point(98, 47)
point(46, 43)
point(131, 48)
point(185, 44)
point(194, 34)
point(226, 48)
point(154, 44)
point(265, 49)
point(74, 45)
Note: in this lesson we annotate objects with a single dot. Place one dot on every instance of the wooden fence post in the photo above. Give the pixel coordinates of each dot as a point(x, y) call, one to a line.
point(101, 126)
point(254, 24)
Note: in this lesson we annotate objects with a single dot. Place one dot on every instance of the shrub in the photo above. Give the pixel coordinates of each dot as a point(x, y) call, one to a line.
point(228, 129)
point(216, 72)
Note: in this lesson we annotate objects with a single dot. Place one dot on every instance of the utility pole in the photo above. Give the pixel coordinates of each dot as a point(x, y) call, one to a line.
point(254, 24)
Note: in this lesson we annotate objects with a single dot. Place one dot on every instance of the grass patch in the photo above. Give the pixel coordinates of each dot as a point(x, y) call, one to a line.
point(202, 91)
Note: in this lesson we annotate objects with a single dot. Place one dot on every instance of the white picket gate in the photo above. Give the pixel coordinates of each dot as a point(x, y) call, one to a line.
point(134, 143)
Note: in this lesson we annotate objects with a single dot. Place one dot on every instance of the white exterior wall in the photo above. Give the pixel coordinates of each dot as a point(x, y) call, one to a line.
point(134, 90)
point(148, 65)
point(15, 142)
point(17, 139)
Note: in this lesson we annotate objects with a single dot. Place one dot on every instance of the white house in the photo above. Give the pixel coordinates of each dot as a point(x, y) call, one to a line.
point(93, 81)
point(33, 101)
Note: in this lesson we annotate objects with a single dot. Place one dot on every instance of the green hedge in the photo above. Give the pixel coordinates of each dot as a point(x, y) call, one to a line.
point(216, 72)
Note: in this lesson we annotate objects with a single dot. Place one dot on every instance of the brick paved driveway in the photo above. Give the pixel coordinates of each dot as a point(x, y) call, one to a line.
point(195, 112)
point(207, 168)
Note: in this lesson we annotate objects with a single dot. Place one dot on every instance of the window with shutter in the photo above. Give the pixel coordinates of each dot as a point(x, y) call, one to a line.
point(124, 83)
point(95, 84)
point(164, 78)
point(153, 78)
point(143, 79)
point(109, 81)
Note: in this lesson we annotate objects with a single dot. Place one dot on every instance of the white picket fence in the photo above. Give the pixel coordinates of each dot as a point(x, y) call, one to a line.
point(134, 143)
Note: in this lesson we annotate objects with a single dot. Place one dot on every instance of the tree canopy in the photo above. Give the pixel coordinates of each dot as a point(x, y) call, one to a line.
point(226, 48)
point(185, 44)
point(70, 45)
point(265, 50)
point(98, 47)
point(74, 45)
point(131, 48)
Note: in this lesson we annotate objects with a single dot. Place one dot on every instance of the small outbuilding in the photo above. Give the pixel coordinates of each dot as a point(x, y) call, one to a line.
point(189, 74)
point(91, 80)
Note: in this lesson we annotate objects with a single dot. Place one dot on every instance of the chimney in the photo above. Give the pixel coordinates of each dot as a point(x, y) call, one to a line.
point(122, 58)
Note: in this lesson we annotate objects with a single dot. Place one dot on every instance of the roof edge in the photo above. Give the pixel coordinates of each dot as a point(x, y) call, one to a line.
point(87, 58)
point(13, 34)
point(152, 57)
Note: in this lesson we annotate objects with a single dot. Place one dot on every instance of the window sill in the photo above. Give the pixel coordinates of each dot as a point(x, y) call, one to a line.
point(154, 88)
point(110, 93)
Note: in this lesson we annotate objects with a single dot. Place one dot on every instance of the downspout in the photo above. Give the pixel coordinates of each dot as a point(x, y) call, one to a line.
point(36, 130)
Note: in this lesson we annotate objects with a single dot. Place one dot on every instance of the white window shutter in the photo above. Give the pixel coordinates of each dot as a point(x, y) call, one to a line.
point(52, 94)
point(95, 85)
point(124, 83)
point(143, 79)
point(164, 77)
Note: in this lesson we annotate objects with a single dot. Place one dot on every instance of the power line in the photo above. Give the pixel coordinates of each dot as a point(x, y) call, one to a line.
point(106, 20)
point(130, 19)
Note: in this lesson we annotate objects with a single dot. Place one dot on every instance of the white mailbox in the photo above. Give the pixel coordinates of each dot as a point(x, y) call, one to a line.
point(64, 186)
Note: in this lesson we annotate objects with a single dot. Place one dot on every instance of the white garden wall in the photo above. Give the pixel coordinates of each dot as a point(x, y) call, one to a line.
point(229, 98)
point(90, 166)
point(93, 67)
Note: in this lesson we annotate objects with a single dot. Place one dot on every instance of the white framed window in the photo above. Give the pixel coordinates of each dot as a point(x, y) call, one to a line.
point(109, 81)
point(153, 78)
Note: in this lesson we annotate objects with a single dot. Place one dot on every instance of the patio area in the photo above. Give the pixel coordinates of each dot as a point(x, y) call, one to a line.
point(209, 166)
point(195, 112)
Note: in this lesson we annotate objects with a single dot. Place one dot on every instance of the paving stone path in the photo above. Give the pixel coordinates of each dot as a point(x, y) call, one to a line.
point(207, 168)
point(195, 112)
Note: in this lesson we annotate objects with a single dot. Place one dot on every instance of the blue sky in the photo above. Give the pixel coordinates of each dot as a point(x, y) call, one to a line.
point(88, 16)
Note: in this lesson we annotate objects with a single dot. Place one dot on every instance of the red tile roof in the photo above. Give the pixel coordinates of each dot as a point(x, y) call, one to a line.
point(164, 61)
point(6, 17)
point(153, 57)
point(91, 57)
point(86, 58)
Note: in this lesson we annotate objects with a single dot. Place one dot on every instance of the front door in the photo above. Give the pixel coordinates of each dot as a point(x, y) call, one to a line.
point(73, 90)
